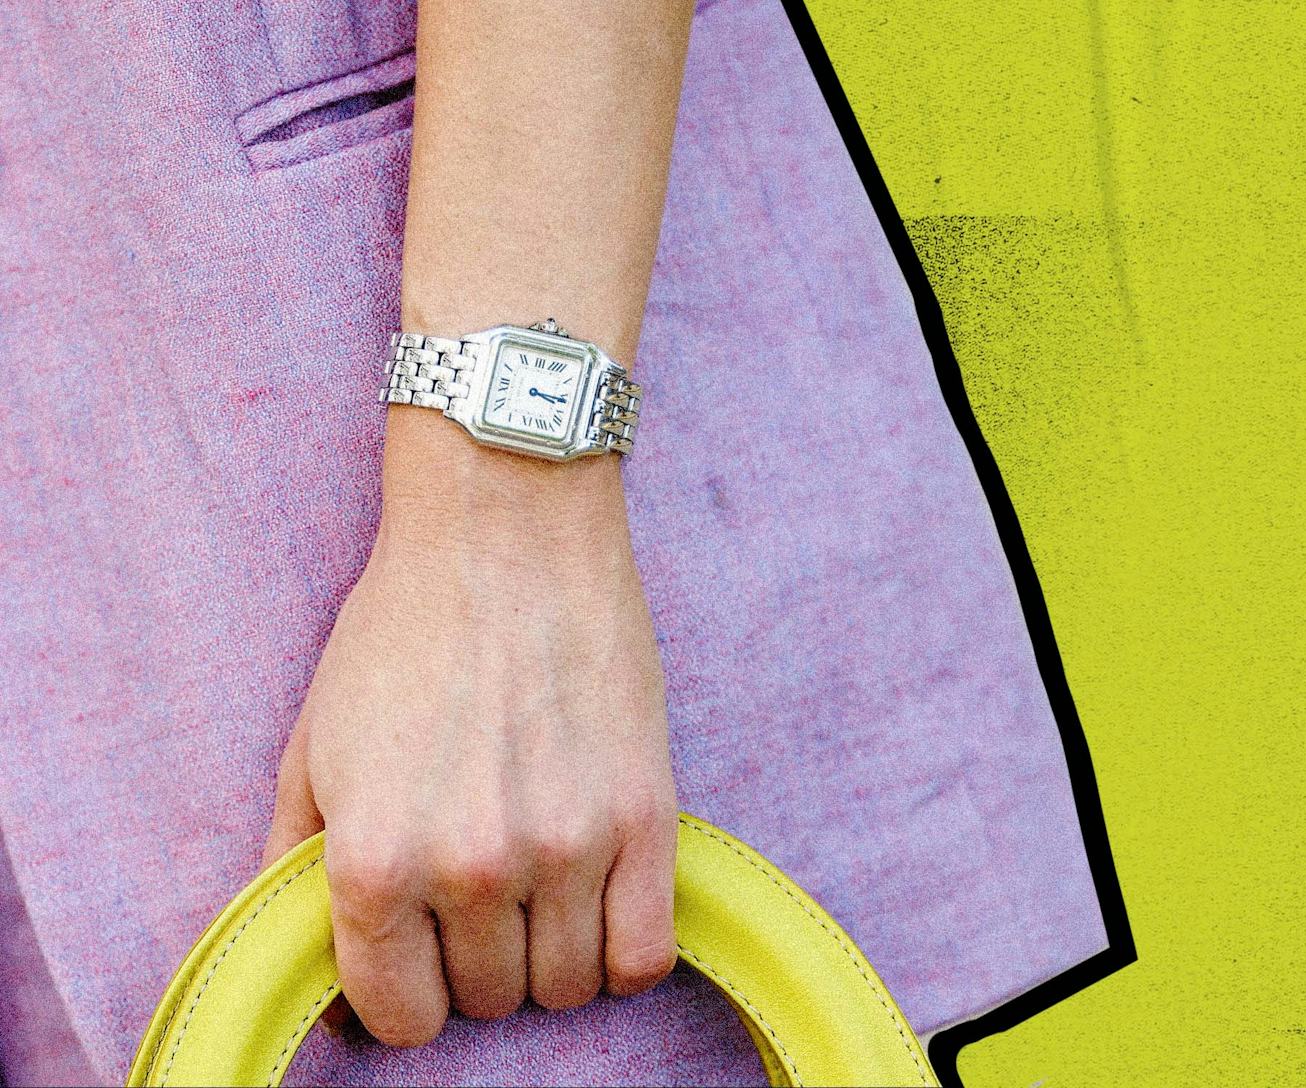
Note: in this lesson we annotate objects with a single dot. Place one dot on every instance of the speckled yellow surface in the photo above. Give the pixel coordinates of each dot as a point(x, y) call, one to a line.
point(1108, 200)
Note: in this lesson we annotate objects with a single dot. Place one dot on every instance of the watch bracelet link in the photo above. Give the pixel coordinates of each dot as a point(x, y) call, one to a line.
point(425, 370)
point(616, 412)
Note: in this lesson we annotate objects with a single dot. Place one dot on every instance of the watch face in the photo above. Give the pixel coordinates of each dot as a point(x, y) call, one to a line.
point(533, 391)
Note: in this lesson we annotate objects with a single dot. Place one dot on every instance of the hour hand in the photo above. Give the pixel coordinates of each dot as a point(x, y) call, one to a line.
point(547, 396)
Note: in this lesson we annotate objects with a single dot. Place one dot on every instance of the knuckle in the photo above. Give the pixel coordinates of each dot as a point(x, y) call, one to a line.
point(477, 873)
point(565, 842)
point(369, 880)
point(648, 812)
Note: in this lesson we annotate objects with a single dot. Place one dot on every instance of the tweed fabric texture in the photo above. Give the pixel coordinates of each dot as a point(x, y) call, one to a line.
point(201, 209)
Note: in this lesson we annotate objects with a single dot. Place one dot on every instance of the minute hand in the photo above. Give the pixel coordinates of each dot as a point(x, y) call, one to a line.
point(547, 396)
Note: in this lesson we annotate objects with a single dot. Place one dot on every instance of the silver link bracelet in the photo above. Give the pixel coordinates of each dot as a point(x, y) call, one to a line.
point(423, 370)
point(442, 372)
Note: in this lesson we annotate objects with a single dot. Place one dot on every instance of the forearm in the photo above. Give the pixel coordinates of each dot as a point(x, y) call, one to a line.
point(510, 771)
point(541, 143)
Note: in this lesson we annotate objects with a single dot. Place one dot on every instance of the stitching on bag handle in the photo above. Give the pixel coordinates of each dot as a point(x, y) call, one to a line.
point(154, 1054)
point(876, 990)
point(326, 996)
point(719, 978)
point(218, 962)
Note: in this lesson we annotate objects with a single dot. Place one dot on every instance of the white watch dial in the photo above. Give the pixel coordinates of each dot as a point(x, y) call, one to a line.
point(533, 391)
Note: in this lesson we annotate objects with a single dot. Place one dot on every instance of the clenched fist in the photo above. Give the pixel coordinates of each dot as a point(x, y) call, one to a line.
point(485, 741)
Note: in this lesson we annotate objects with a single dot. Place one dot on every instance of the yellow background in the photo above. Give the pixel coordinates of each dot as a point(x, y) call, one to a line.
point(1108, 201)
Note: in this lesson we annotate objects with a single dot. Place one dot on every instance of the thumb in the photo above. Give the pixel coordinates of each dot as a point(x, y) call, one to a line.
point(295, 817)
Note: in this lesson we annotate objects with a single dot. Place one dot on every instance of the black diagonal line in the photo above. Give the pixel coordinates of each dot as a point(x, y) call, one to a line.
point(1120, 951)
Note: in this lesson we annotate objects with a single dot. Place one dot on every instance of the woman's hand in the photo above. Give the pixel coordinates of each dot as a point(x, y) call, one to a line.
point(485, 740)
point(485, 737)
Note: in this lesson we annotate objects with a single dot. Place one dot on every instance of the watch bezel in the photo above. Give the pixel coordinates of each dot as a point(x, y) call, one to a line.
point(576, 441)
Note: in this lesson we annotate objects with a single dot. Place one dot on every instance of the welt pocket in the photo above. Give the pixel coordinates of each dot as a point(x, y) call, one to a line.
point(332, 115)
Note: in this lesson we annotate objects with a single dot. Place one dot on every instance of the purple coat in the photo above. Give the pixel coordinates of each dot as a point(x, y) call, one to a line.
point(201, 208)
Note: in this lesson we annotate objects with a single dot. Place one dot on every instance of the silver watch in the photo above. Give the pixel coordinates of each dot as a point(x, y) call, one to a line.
point(533, 390)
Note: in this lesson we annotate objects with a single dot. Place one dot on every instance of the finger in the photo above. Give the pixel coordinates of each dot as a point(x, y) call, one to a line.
point(564, 939)
point(295, 816)
point(294, 819)
point(337, 1016)
point(387, 948)
point(639, 927)
point(482, 937)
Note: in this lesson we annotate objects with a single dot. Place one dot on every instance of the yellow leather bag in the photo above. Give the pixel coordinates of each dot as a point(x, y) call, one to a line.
point(261, 974)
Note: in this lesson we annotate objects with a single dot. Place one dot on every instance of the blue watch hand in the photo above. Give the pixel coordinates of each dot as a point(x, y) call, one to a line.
point(545, 396)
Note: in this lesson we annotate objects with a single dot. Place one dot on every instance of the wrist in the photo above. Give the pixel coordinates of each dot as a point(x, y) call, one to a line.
point(442, 490)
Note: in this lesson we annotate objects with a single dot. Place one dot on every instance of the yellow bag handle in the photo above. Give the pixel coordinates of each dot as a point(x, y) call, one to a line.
point(261, 974)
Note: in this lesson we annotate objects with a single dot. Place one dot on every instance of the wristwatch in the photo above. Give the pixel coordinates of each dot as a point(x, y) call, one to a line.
point(533, 390)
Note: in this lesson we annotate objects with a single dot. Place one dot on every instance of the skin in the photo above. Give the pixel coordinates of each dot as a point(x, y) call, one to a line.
point(485, 738)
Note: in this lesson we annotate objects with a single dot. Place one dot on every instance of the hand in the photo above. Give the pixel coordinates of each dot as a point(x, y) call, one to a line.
point(485, 740)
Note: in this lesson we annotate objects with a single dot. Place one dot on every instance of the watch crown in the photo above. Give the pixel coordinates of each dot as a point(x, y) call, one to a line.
point(551, 327)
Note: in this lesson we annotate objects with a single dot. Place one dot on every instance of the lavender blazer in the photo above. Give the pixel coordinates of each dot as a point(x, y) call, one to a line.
point(200, 216)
